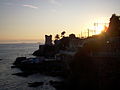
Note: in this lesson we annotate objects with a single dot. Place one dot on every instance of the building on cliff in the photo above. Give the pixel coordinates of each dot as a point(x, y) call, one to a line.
point(48, 40)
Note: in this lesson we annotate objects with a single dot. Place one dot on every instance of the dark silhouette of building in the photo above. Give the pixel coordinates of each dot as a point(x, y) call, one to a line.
point(96, 66)
point(48, 40)
point(114, 26)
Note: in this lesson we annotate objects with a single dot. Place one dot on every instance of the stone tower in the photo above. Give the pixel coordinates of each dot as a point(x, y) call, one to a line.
point(48, 39)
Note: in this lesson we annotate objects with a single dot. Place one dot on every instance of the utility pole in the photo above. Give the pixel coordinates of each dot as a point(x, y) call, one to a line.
point(81, 34)
point(88, 32)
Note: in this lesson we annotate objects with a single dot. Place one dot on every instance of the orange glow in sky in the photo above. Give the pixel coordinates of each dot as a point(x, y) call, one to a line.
point(32, 19)
point(99, 29)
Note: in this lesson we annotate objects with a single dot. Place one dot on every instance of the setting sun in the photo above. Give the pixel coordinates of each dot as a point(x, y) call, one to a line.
point(99, 29)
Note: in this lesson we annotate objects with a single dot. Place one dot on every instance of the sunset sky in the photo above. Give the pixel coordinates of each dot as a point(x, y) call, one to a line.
point(30, 20)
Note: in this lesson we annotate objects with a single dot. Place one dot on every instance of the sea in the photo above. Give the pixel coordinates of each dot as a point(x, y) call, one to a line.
point(8, 81)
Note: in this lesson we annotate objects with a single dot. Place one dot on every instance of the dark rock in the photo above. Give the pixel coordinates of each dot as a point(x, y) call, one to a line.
point(51, 68)
point(47, 51)
point(13, 66)
point(23, 74)
point(35, 84)
point(19, 60)
point(38, 53)
point(59, 85)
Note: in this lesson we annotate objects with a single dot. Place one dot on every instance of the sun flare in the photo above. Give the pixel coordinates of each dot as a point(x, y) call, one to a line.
point(99, 29)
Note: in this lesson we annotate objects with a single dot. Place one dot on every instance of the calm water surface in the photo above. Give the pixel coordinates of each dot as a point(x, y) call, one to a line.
point(8, 54)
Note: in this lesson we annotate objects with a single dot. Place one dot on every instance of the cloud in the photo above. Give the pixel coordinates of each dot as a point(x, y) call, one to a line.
point(30, 6)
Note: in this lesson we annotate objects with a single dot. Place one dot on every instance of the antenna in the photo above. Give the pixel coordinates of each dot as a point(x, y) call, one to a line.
point(97, 24)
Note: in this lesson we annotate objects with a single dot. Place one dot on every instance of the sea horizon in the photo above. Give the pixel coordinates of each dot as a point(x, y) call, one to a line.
point(22, 42)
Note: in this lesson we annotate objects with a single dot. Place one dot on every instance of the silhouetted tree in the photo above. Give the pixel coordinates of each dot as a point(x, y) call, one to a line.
point(57, 37)
point(63, 33)
point(72, 36)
